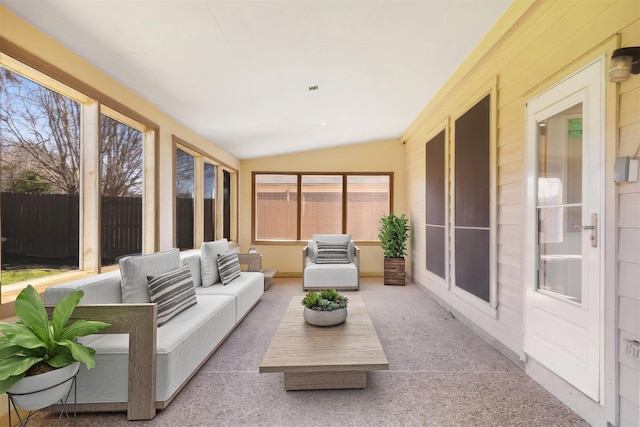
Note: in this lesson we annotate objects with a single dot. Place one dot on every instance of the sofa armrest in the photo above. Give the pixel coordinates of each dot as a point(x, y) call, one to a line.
point(356, 256)
point(140, 321)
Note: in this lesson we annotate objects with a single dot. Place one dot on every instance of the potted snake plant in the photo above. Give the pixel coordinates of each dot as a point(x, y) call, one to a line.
point(393, 234)
point(39, 356)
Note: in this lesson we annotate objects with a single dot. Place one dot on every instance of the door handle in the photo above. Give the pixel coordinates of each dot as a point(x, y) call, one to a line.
point(594, 229)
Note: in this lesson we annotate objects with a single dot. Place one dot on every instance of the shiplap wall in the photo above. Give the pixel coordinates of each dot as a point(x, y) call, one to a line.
point(534, 46)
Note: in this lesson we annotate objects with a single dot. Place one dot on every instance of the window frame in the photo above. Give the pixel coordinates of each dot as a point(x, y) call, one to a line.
point(200, 158)
point(487, 307)
point(148, 146)
point(92, 104)
point(344, 175)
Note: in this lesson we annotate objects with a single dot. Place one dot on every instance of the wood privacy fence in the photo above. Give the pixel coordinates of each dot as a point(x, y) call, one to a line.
point(47, 225)
point(277, 216)
point(185, 222)
point(40, 225)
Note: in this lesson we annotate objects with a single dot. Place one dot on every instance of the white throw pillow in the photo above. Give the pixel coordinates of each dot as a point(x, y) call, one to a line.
point(209, 260)
point(135, 269)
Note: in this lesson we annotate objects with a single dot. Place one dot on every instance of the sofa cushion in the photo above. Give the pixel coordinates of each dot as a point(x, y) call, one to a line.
point(209, 260)
point(332, 253)
point(135, 269)
point(173, 292)
point(192, 259)
point(228, 266)
point(245, 290)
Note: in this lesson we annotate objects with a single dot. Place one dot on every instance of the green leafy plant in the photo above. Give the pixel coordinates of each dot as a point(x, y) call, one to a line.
point(34, 340)
point(393, 234)
point(326, 300)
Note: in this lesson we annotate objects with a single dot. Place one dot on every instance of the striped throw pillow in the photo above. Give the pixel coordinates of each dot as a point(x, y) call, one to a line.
point(332, 253)
point(173, 292)
point(228, 266)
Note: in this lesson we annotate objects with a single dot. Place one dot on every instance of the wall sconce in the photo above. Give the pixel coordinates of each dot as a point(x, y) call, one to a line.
point(624, 61)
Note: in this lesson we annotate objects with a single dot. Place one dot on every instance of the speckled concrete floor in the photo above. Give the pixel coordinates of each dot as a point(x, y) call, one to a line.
point(440, 374)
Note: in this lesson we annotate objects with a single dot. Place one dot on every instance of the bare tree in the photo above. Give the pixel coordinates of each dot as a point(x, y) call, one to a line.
point(40, 133)
point(184, 175)
point(121, 152)
point(42, 127)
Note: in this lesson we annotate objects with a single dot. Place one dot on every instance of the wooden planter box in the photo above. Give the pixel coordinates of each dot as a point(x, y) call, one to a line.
point(394, 271)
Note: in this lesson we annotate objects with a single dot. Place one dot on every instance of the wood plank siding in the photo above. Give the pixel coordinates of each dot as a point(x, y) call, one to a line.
point(629, 248)
point(534, 46)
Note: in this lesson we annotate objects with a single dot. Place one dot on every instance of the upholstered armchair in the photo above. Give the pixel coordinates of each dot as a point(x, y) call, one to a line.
point(331, 261)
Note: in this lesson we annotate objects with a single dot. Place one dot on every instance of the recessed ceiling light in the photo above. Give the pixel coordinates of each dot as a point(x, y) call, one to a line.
point(323, 123)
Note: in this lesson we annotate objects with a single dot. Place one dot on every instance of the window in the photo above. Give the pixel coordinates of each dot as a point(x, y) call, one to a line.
point(71, 178)
point(276, 207)
point(209, 202)
point(294, 206)
point(227, 204)
point(321, 205)
point(368, 200)
point(436, 178)
point(205, 198)
point(120, 190)
point(40, 179)
point(185, 194)
point(472, 200)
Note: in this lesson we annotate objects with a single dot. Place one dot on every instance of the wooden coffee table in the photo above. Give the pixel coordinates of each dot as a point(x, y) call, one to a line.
point(320, 358)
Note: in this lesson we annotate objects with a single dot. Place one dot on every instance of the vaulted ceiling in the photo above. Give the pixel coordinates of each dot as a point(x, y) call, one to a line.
point(243, 73)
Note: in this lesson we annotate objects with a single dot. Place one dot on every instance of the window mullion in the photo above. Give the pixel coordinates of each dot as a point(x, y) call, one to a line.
point(344, 203)
point(299, 199)
point(90, 188)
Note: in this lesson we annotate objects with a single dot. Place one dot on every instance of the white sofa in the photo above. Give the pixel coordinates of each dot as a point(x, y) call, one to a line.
point(338, 266)
point(183, 343)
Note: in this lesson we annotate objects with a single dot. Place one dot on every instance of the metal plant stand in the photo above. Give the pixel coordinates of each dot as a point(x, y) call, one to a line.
point(64, 411)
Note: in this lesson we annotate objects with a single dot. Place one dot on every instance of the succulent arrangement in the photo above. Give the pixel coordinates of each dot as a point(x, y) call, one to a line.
point(326, 300)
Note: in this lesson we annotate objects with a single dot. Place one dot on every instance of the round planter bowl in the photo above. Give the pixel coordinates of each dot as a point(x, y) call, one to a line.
point(39, 391)
point(325, 318)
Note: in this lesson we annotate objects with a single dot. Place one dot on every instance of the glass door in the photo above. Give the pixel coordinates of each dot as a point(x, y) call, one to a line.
point(563, 257)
